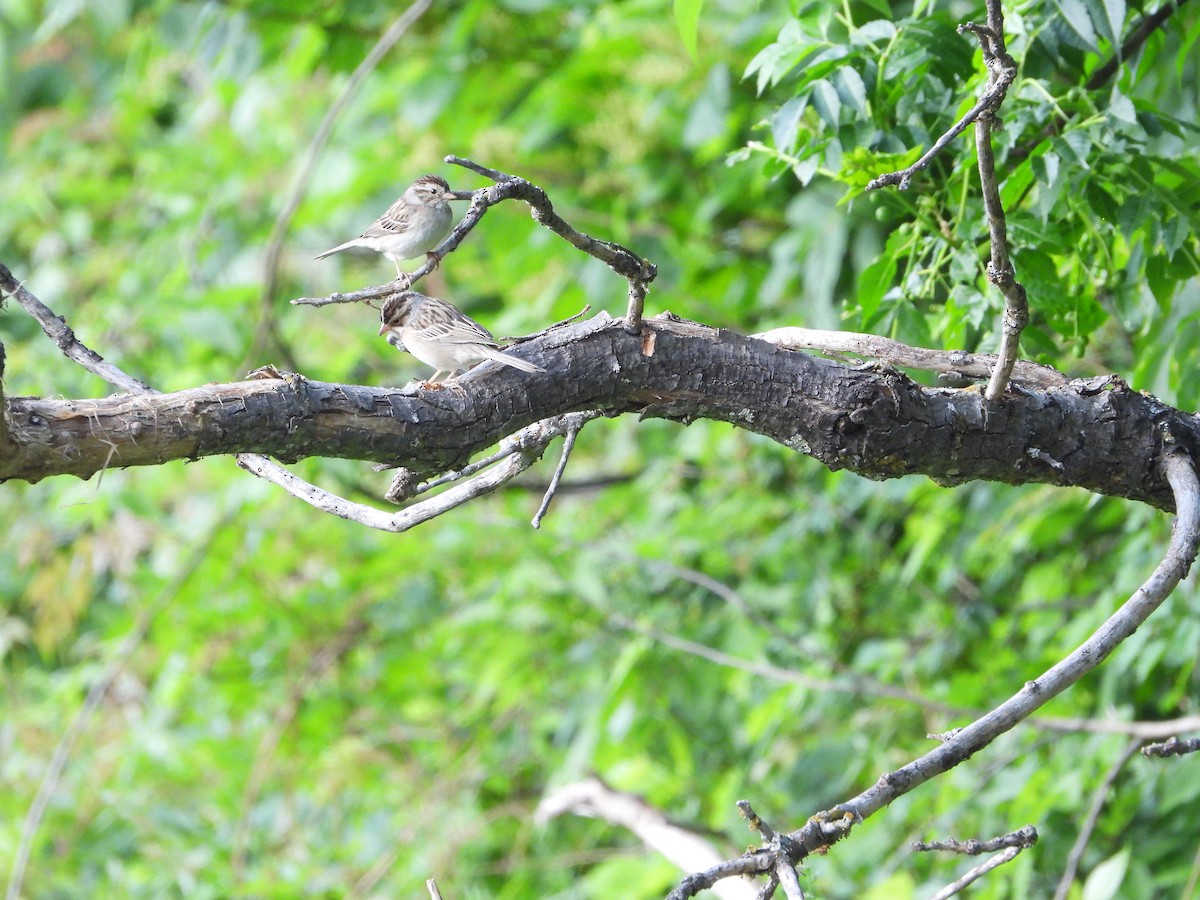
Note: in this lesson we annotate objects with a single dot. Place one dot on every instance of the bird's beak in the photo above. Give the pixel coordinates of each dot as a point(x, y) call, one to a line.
point(384, 328)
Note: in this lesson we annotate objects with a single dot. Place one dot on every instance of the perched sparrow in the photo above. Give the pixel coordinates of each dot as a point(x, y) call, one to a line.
point(413, 225)
point(440, 336)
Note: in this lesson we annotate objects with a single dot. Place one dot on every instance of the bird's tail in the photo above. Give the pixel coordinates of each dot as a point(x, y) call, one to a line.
point(338, 249)
point(509, 360)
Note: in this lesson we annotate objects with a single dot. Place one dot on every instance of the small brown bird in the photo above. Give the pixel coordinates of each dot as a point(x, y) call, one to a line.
point(440, 336)
point(413, 225)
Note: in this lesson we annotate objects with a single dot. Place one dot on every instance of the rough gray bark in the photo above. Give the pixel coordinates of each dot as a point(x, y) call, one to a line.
point(1096, 434)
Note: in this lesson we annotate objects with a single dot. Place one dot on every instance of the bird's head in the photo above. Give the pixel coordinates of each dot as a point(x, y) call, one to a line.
point(397, 310)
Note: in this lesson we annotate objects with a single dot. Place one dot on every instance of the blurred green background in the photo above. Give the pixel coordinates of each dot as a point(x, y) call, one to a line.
point(308, 707)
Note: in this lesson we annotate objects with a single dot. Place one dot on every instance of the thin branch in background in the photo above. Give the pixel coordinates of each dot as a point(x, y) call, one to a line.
point(978, 872)
point(1093, 816)
point(831, 825)
point(95, 695)
point(267, 327)
point(624, 262)
point(552, 489)
point(320, 663)
point(1022, 837)
point(1102, 75)
point(1172, 747)
point(434, 893)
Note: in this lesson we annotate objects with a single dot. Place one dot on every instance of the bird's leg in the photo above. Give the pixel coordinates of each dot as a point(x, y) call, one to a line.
point(434, 258)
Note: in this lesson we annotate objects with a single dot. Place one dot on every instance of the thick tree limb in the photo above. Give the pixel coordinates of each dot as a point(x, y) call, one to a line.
point(1096, 434)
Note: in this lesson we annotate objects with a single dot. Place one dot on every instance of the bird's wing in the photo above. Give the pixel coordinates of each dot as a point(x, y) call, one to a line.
point(392, 221)
point(458, 331)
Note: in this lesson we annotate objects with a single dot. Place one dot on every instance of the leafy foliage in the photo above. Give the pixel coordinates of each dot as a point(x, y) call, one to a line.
point(316, 708)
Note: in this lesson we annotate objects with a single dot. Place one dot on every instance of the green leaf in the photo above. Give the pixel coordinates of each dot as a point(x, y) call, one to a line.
point(826, 101)
point(1109, 17)
point(786, 123)
point(1076, 15)
point(1105, 880)
point(687, 20)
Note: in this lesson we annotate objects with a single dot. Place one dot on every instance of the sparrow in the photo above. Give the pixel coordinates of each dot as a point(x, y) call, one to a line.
point(412, 225)
point(440, 336)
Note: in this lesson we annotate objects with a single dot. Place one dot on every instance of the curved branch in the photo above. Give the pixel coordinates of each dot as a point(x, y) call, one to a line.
point(826, 828)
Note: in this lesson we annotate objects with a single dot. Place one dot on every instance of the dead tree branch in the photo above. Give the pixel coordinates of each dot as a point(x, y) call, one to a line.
point(827, 827)
point(1002, 69)
point(1004, 856)
point(636, 271)
point(949, 363)
point(1172, 747)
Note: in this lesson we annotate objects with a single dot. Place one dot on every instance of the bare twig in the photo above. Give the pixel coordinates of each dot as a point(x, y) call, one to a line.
point(1172, 747)
point(784, 871)
point(831, 825)
point(517, 452)
point(568, 446)
point(1022, 837)
point(637, 271)
point(299, 185)
point(434, 893)
point(1002, 69)
point(955, 363)
point(95, 695)
point(976, 873)
point(999, 268)
point(1093, 816)
point(522, 338)
point(58, 331)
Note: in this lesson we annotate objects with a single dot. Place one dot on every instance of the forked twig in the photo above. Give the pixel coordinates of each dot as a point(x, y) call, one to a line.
point(637, 271)
point(1002, 69)
point(552, 488)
